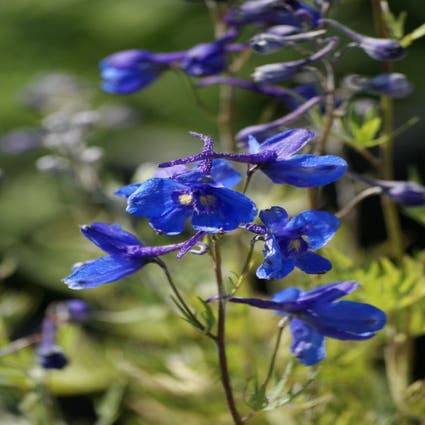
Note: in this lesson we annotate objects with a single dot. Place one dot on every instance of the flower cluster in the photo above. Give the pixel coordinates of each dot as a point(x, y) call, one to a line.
point(205, 195)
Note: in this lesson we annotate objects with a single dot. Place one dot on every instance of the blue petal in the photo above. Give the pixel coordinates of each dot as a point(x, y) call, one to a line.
point(128, 190)
point(313, 263)
point(327, 293)
point(171, 172)
point(226, 210)
point(253, 144)
point(171, 222)
point(275, 219)
point(287, 143)
point(348, 317)
point(318, 226)
point(102, 270)
point(286, 295)
point(154, 198)
point(223, 173)
point(274, 265)
point(112, 238)
point(306, 170)
point(308, 345)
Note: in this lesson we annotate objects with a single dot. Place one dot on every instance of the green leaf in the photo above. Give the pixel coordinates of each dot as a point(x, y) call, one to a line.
point(414, 35)
point(364, 133)
point(108, 407)
point(256, 396)
point(395, 25)
point(208, 315)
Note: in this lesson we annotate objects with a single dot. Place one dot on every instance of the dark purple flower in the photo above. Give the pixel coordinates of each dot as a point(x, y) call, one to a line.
point(316, 314)
point(408, 194)
point(383, 49)
point(392, 84)
point(275, 72)
point(208, 58)
point(290, 243)
point(126, 256)
point(276, 158)
point(273, 12)
point(50, 356)
point(76, 310)
point(131, 70)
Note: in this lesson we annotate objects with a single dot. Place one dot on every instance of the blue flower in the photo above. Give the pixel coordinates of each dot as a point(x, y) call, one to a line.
point(276, 158)
point(297, 170)
point(50, 355)
point(314, 315)
point(273, 12)
point(382, 49)
point(222, 172)
point(207, 58)
point(289, 242)
point(169, 202)
point(392, 84)
point(131, 70)
point(126, 256)
point(408, 194)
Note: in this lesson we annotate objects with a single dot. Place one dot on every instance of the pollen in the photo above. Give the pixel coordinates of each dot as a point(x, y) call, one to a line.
point(185, 199)
point(207, 200)
point(295, 244)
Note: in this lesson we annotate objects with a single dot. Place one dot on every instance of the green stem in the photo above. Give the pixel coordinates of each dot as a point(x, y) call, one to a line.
point(221, 335)
point(181, 300)
point(391, 216)
point(282, 325)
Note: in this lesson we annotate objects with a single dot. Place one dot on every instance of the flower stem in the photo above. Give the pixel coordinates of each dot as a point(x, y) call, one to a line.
point(392, 219)
point(282, 325)
point(221, 335)
point(185, 308)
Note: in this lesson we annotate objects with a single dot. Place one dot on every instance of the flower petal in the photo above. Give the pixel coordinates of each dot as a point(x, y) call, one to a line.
point(318, 226)
point(313, 263)
point(327, 293)
point(128, 190)
point(154, 198)
point(286, 295)
point(275, 219)
point(223, 173)
point(112, 238)
point(308, 344)
point(224, 209)
point(171, 222)
point(349, 316)
point(306, 170)
point(287, 143)
point(102, 270)
point(274, 265)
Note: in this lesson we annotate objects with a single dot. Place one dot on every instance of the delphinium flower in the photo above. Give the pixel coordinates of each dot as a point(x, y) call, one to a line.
point(273, 12)
point(316, 314)
point(130, 70)
point(290, 243)
point(276, 72)
point(276, 157)
point(405, 193)
point(126, 256)
point(383, 49)
point(50, 355)
point(391, 84)
point(169, 202)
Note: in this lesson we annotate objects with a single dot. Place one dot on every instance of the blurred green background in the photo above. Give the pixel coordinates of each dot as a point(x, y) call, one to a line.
point(135, 364)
